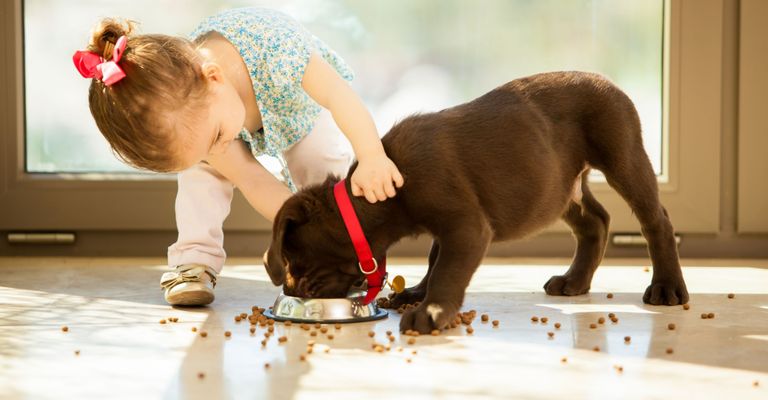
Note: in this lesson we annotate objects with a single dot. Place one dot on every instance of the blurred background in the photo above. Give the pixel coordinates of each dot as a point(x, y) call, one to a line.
point(408, 56)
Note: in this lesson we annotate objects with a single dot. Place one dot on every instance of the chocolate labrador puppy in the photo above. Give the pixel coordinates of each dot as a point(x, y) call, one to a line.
point(500, 167)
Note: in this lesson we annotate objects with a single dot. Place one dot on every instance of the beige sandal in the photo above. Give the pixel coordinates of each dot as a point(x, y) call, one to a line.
point(189, 285)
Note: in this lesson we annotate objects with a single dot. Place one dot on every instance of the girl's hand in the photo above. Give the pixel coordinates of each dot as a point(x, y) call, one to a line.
point(373, 178)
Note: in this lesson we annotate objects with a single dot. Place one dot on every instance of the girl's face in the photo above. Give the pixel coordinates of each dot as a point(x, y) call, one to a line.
point(213, 132)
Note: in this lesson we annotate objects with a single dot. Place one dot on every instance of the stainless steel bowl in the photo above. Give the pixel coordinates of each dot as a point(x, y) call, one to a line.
point(338, 310)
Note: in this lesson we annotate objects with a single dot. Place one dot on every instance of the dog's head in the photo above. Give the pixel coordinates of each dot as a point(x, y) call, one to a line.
point(311, 253)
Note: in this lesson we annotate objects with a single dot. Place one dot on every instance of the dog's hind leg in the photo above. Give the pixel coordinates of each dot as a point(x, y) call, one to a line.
point(589, 222)
point(636, 183)
point(416, 293)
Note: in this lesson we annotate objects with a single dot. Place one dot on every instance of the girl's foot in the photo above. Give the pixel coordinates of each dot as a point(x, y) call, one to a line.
point(189, 285)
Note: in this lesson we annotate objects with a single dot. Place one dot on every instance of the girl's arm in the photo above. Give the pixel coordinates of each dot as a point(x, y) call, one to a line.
point(264, 192)
point(375, 172)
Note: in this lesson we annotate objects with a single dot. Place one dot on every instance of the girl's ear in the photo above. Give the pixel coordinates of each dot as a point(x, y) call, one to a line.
point(212, 72)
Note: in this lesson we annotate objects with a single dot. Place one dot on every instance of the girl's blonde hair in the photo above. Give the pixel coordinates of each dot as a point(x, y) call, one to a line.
point(136, 114)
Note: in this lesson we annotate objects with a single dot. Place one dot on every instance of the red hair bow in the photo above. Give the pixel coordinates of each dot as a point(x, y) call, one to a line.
point(91, 65)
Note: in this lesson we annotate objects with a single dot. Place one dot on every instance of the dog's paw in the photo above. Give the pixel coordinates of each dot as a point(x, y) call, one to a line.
point(428, 316)
point(564, 285)
point(407, 296)
point(669, 293)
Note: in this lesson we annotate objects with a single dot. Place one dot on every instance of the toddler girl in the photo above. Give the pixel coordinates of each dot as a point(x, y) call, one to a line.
point(248, 82)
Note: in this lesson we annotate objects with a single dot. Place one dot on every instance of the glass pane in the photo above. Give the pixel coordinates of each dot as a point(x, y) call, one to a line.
point(409, 56)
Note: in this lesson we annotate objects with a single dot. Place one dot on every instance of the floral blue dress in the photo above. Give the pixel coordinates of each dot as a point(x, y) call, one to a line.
point(276, 50)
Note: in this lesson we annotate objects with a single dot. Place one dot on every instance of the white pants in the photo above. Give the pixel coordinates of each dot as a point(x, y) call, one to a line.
point(204, 196)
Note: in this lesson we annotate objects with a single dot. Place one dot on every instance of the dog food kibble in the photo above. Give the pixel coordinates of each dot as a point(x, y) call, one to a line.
point(253, 330)
point(711, 315)
point(671, 327)
point(627, 339)
point(615, 320)
point(243, 315)
point(601, 320)
point(470, 330)
point(435, 332)
point(264, 343)
point(337, 326)
point(703, 315)
point(330, 337)
point(611, 315)
point(756, 383)
point(592, 326)
point(305, 327)
point(534, 319)
point(551, 334)
point(238, 318)
point(619, 368)
point(609, 295)
point(194, 329)
point(392, 338)
point(379, 348)
point(670, 350)
point(266, 365)
point(731, 295)
point(282, 339)
point(686, 307)
point(310, 349)
point(302, 357)
point(557, 325)
point(317, 325)
point(203, 333)
point(646, 269)
point(65, 329)
point(495, 323)
point(313, 333)
point(408, 360)
point(162, 321)
point(484, 318)
point(371, 334)
point(227, 333)
point(287, 323)
point(544, 320)
point(271, 329)
point(414, 352)
point(596, 348)
point(324, 330)
point(411, 341)
point(200, 375)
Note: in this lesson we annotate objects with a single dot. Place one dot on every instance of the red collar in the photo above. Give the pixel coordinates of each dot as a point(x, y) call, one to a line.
point(375, 273)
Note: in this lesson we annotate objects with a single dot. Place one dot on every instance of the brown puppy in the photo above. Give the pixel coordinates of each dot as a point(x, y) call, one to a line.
point(497, 168)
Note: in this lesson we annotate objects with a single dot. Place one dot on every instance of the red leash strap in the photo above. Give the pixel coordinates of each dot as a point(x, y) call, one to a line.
point(374, 272)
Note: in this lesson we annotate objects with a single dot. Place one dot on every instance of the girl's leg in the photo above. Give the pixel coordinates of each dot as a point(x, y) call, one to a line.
point(323, 151)
point(202, 203)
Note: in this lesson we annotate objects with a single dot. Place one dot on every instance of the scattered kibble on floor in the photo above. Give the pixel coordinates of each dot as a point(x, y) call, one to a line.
point(731, 295)
point(671, 327)
point(65, 328)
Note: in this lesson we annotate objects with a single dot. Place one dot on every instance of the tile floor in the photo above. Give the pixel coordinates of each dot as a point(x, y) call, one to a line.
point(112, 308)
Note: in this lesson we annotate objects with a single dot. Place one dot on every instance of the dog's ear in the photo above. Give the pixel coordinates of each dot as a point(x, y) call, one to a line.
point(292, 213)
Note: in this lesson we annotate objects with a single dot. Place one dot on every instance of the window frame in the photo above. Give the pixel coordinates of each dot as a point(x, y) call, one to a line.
point(689, 189)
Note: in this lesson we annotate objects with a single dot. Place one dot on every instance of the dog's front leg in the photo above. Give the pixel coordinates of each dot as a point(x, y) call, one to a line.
point(416, 293)
point(460, 255)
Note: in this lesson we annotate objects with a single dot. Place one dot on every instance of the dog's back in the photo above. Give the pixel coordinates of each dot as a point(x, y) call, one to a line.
point(512, 154)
